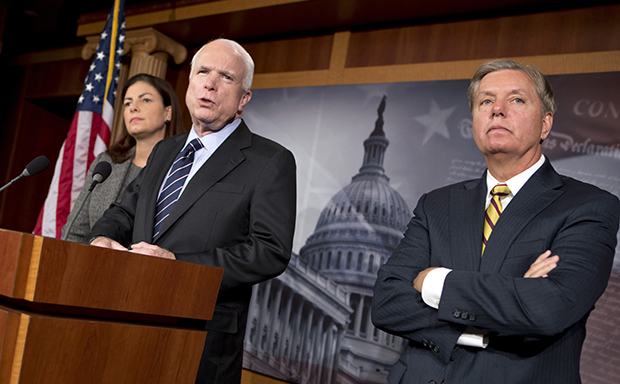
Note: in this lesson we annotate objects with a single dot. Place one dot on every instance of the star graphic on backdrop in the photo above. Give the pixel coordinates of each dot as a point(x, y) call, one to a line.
point(98, 77)
point(100, 55)
point(89, 87)
point(95, 99)
point(81, 99)
point(121, 38)
point(92, 67)
point(104, 34)
point(435, 121)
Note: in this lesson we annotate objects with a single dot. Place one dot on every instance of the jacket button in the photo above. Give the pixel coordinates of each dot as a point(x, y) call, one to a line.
point(464, 315)
point(456, 313)
point(472, 317)
point(435, 348)
point(425, 343)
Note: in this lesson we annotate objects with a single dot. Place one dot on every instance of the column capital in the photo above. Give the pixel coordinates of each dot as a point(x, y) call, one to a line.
point(145, 40)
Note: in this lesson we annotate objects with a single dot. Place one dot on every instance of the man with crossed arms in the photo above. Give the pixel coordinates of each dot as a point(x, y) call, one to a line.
point(479, 296)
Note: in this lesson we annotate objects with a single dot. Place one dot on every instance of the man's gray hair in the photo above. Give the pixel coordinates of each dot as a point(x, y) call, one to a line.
point(239, 51)
point(541, 84)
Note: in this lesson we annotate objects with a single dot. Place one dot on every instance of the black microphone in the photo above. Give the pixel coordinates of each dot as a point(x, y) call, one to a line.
point(35, 166)
point(100, 174)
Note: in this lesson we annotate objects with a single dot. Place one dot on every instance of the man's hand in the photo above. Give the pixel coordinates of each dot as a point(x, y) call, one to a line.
point(152, 250)
point(419, 280)
point(543, 265)
point(106, 242)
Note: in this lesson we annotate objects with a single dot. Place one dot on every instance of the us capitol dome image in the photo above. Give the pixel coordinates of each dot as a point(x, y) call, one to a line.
point(312, 324)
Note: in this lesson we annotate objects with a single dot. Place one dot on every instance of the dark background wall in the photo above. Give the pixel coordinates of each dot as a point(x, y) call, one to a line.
point(294, 43)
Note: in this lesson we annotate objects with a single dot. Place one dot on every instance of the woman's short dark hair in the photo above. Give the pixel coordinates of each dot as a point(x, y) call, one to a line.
point(121, 150)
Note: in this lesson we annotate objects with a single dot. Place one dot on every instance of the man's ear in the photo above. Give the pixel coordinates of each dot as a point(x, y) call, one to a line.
point(547, 123)
point(245, 99)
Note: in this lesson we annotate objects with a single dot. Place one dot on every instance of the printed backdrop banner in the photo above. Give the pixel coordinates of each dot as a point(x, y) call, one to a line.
point(365, 154)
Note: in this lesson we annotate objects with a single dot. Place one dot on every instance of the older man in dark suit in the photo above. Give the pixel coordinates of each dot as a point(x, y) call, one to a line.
point(473, 286)
point(219, 196)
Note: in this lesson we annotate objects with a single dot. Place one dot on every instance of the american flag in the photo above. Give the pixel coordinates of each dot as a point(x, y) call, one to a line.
point(90, 130)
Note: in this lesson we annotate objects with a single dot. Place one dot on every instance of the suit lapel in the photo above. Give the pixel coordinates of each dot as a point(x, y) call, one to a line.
point(538, 193)
point(226, 158)
point(465, 210)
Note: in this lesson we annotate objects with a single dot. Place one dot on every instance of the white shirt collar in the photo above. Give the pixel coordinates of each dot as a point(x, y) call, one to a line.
point(515, 183)
point(213, 140)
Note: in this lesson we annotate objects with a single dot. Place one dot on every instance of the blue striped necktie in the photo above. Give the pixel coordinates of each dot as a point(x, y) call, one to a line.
point(174, 183)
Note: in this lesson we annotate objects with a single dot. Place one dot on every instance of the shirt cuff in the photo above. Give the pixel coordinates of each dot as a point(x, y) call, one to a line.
point(433, 286)
point(473, 337)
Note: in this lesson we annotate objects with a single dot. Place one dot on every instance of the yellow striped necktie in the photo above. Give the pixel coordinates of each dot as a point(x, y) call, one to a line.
point(494, 211)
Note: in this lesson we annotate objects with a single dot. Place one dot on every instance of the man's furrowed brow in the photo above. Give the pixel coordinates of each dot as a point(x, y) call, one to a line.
point(518, 91)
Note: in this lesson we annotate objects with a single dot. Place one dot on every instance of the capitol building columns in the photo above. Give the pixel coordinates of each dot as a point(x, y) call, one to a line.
point(293, 336)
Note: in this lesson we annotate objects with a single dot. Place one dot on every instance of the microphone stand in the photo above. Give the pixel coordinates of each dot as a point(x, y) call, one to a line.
point(64, 236)
point(11, 182)
point(35, 166)
point(101, 172)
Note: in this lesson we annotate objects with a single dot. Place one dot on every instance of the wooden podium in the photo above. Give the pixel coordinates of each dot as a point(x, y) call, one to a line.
point(72, 313)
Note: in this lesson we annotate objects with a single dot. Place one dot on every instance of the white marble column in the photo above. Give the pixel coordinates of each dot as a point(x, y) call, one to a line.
point(358, 316)
point(263, 314)
point(320, 358)
point(330, 354)
point(274, 320)
point(369, 326)
point(285, 327)
point(149, 51)
point(306, 343)
point(314, 362)
point(296, 337)
point(252, 314)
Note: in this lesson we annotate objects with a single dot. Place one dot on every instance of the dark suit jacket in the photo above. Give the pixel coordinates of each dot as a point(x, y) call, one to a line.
point(236, 213)
point(537, 326)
